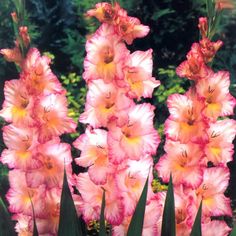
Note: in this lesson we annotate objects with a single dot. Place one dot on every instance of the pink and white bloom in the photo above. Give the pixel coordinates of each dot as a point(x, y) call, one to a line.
point(211, 192)
point(21, 197)
point(131, 180)
point(94, 154)
point(138, 75)
point(54, 157)
point(92, 199)
point(130, 28)
point(219, 149)
point(184, 162)
point(106, 55)
point(215, 92)
point(18, 104)
point(135, 136)
point(104, 101)
point(185, 122)
point(53, 117)
point(37, 75)
point(21, 143)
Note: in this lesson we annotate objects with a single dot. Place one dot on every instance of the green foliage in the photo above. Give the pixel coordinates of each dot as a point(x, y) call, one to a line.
point(76, 94)
point(233, 233)
point(68, 222)
point(6, 225)
point(136, 223)
point(168, 219)
point(197, 229)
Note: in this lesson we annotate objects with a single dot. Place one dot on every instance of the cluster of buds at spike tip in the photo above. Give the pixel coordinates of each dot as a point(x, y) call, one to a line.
point(199, 139)
point(120, 138)
point(35, 107)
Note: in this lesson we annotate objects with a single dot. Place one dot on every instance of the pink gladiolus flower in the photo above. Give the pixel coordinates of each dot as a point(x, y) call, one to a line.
point(54, 157)
point(193, 68)
point(209, 49)
point(37, 75)
point(130, 28)
point(21, 143)
point(184, 161)
point(211, 192)
point(53, 117)
point(215, 91)
point(104, 101)
point(135, 136)
point(105, 55)
point(94, 154)
point(92, 198)
point(20, 195)
point(105, 12)
point(18, 104)
point(185, 122)
point(138, 75)
point(215, 227)
point(219, 149)
point(131, 180)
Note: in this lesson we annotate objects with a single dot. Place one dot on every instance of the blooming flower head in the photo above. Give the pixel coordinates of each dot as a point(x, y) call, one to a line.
point(130, 181)
point(134, 136)
point(18, 104)
point(54, 157)
point(219, 149)
point(105, 55)
point(21, 197)
point(130, 28)
point(37, 74)
point(104, 101)
point(215, 91)
point(21, 143)
point(214, 202)
point(94, 154)
point(185, 122)
point(194, 67)
point(92, 199)
point(138, 75)
point(53, 117)
point(183, 161)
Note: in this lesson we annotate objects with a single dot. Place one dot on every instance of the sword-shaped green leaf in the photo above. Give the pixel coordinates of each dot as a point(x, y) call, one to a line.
point(136, 223)
point(68, 222)
point(168, 219)
point(197, 229)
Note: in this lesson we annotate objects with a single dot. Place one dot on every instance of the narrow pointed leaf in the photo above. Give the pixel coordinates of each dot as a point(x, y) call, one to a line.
point(102, 231)
point(68, 222)
point(136, 223)
point(168, 219)
point(6, 225)
point(233, 232)
point(35, 230)
point(197, 229)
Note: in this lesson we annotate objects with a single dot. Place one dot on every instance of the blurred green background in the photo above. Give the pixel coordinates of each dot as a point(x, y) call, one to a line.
point(59, 28)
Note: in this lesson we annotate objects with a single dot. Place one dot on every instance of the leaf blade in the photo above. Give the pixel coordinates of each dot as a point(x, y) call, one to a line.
point(68, 221)
point(168, 219)
point(136, 223)
point(197, 229)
